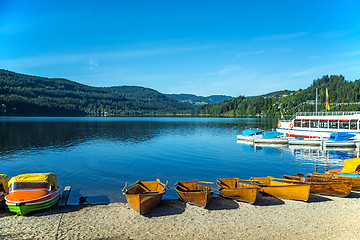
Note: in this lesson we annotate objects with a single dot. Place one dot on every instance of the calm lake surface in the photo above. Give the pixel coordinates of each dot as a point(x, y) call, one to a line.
point(96, 156)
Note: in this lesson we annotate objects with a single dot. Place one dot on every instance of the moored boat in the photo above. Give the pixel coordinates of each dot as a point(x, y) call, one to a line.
point(237, 189)
point(249, 135)
point(194, 193)
point(4, 179)
point(351, 166)
point(267, 137)
point(31, 192)
point(330, 187)
point(281, 188)
point(340, 139)
point(355, 178)
point(320, 124)
point(144, 196)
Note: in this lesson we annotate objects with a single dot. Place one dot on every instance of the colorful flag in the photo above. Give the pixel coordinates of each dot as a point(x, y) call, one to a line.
point(281, 116)
point(327, 100)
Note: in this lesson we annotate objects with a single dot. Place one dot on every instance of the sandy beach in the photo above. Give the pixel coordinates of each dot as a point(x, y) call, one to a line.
point(322, 217)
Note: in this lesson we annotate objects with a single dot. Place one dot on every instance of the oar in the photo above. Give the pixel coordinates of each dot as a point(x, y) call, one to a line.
point(205, 182)
point(126, 185)
point(164, 185)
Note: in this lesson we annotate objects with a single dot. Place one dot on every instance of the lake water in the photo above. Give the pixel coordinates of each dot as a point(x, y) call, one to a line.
point(96, 156)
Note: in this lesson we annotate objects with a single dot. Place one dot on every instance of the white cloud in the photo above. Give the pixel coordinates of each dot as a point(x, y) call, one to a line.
point(92, 64)
point(281, 37)
point(226, 70)
point(47, 60)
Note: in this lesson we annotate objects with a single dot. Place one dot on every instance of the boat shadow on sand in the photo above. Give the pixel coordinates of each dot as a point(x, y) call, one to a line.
point(267, 200)
point(176, 206)
point(167, 207)
point(54, 210)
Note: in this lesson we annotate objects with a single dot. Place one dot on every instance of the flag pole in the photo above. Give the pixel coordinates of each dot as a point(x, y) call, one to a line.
point(317, 95)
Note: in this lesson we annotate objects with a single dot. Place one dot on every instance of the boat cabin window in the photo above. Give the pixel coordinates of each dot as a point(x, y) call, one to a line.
point(29, 185)
point(333, 124)
point(305, 123)
point(344, 124)
point(314, 123)
point(353, 124)
point(323, 124)
point(297, 123)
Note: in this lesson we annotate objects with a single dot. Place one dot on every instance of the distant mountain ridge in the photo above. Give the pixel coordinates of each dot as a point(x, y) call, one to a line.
point(199, 100)
point(22, 94)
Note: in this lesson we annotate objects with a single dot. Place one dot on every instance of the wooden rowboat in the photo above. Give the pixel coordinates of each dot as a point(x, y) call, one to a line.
point(144, 197)
point(194, 193)
point(240, 190)
point(339, 177)
point(31, 192)
point(281, 188)
point(322, 186)
point(4, 179)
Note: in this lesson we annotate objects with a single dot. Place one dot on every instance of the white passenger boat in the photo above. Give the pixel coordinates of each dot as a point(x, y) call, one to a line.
point(320, 124)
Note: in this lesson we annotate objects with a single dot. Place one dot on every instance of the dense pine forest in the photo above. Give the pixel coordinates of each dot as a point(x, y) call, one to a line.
point(343, 96)
point(30, 95)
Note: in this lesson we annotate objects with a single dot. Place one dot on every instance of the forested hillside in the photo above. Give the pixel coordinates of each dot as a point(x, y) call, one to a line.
point(149, 98)
point(343, 95)
point(199, 100)
point(30, 95)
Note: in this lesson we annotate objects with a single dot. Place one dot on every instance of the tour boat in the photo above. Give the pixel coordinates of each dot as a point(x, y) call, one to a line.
point(4, 179)
point(320, 124)
point(31, 192)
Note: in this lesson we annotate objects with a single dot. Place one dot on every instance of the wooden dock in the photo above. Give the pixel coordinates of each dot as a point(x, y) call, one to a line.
point(65, 196)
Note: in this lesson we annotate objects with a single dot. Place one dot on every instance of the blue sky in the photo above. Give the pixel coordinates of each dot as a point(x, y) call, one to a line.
point(198, 47)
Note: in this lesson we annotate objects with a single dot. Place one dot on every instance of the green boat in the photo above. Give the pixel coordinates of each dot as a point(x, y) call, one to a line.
point(31, 192)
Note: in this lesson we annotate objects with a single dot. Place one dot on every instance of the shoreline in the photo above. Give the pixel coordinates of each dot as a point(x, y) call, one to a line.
point(322, 217)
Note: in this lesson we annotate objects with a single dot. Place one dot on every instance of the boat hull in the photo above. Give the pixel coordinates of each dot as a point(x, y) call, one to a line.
point(327, 187)
point(145, 196)
point(144, 203)
point(347, 144)
point(283, 190)
point(341, 177)
point(28, 208)
point(194, 193)
point(305, 142)
point(232, 188)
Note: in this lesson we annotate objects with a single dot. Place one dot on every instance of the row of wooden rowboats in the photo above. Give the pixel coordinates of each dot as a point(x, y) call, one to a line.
point(26, 193)
point(144, 196)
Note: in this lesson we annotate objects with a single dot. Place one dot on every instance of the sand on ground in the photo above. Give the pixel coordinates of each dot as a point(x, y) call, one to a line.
point(322, 217)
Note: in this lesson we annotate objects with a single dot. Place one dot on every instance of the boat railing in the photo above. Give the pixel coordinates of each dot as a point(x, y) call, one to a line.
point(323, 114)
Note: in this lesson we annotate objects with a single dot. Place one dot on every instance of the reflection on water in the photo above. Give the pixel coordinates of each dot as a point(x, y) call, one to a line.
point(96, 156)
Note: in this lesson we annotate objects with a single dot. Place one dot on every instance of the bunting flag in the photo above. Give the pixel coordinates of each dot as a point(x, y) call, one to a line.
point(281, 116)
point(327, 100)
